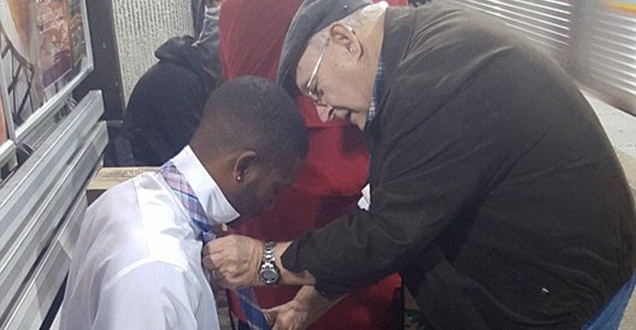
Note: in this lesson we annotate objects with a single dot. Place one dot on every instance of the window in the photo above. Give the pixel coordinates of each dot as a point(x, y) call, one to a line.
point(594, 41)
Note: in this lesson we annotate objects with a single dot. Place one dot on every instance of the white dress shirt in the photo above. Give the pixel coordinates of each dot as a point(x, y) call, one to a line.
point(137, 263)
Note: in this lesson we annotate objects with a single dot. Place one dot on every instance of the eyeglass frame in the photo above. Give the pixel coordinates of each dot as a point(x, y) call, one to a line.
point(312, 78)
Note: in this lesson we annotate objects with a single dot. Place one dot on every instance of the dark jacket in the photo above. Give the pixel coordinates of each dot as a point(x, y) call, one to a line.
point(494, 190)
point(165, 106)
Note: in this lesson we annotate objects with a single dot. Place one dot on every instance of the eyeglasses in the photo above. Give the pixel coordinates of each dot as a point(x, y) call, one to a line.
point(310, 87)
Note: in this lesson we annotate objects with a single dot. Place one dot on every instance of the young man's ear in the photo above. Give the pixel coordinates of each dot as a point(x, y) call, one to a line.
point(344, 36)
point(243, 164)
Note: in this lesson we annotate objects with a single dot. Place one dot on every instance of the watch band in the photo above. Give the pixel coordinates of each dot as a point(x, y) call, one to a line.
point(268, 252)
point(270, 274)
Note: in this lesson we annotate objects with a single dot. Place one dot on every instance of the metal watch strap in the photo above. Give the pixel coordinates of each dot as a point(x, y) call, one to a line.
point(268, 252)
point(269, 272)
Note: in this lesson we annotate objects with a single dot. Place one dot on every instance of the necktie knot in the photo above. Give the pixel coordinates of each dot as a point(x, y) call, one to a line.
point(206, 233)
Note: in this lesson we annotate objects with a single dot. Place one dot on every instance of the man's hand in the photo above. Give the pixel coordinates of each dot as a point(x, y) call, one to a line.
point(234, 261)
point(306, 307)
point(289, 316)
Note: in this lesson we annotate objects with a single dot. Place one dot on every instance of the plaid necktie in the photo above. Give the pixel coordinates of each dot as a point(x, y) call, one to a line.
point(206, 233)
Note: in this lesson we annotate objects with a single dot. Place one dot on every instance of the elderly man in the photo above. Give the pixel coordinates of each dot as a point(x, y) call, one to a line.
point(493, 188)
point(137, 264)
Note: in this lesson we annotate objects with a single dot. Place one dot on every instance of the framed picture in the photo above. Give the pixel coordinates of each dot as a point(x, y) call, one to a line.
point(45, 53)
point(7, 147)
point(4, 130)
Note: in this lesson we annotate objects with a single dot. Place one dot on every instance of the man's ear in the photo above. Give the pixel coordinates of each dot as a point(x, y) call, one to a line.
point(344, 36)
point(243, 164)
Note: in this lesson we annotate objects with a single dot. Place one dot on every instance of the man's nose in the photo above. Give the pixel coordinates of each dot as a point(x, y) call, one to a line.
point(325, 112)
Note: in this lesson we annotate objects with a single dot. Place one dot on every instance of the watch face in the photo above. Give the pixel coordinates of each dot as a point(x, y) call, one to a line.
point(269, 275)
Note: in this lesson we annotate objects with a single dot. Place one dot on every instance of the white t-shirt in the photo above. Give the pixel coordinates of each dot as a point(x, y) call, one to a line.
point(137, 263)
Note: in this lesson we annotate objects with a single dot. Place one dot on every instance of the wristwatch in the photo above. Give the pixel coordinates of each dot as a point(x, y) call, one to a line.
point(270, 274)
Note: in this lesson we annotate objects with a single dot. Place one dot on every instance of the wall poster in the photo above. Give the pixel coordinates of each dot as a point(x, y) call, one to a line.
point(54, 57)
point(18, 47)
point(624, 6)
point(7, 147)
point(43, 47)
point(4, 130)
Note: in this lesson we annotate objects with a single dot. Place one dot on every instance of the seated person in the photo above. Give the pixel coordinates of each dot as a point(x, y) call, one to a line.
point(137, 263)
point(165, 106)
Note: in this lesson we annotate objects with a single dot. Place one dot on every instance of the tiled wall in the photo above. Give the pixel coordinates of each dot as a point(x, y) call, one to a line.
point(140, 27)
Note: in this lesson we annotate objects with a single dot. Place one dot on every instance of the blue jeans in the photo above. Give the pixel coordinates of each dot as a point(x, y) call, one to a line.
point(610, 317)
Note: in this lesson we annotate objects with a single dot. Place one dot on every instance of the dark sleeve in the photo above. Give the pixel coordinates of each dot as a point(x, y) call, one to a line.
point(434, 168)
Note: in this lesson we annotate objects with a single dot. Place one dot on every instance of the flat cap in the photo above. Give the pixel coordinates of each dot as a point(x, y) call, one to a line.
point(311, 17)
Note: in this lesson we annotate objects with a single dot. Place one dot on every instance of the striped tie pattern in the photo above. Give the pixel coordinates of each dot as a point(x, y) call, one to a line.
point(206, 233)
point(255, 318)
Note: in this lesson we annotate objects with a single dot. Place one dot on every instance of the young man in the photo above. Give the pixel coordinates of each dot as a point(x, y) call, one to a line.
point(493, 188)
point(137, 264)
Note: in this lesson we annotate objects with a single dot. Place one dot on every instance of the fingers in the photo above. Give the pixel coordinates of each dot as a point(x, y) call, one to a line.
point(218, 281)
point(215, 246)
point(216, 253)
point(285, 317)
point(234, 259)
point(209, 264)
point(270, 316)
point(276, 319)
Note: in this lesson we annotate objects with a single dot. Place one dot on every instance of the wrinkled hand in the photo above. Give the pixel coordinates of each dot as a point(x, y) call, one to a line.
point(306, 307)
point(234, 261)
point(290, 316)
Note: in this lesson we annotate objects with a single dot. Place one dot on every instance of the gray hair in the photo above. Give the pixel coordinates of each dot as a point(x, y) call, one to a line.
point(356, 19)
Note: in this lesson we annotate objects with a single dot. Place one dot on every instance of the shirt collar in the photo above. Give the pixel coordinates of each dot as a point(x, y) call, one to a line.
point(378, 89)
point(216, 206)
